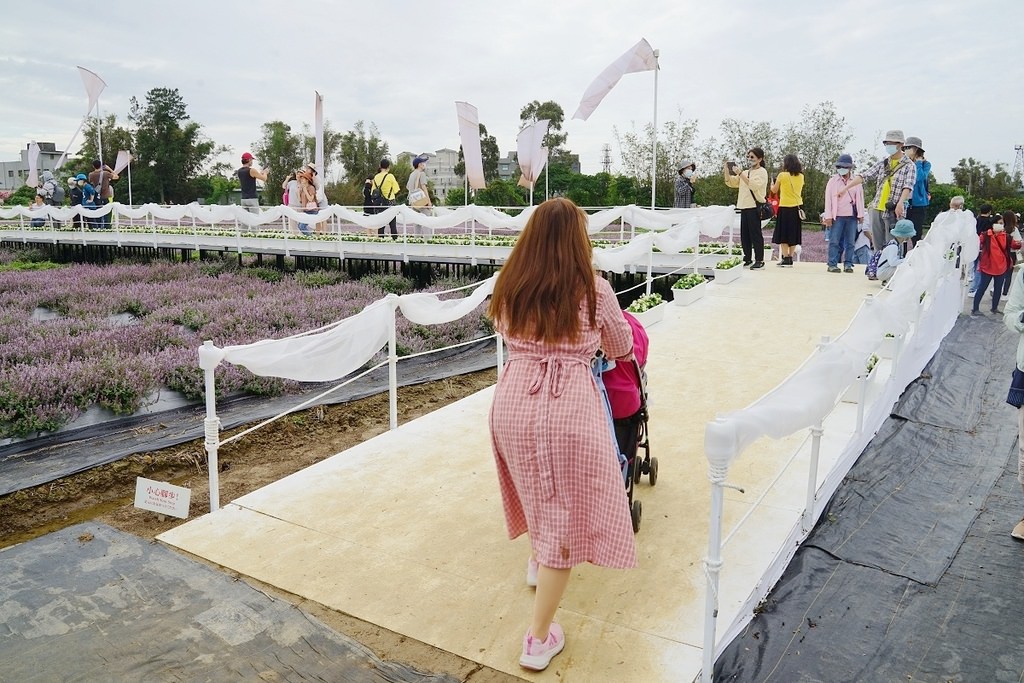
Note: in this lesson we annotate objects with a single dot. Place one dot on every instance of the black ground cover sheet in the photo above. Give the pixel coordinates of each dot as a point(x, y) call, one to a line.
point(90, 603)
point(39, 461)
point(911, 573)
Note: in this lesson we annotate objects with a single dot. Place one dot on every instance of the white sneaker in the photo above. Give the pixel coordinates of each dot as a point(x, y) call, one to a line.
point(531, 572)
point(538, 654)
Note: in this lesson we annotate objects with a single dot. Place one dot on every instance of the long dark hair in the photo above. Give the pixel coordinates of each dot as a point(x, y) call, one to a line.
point(1009, 220)
point(547, 277)
point(791, 165)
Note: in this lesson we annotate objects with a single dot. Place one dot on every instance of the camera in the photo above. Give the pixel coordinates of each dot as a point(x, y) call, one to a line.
point(890, 205)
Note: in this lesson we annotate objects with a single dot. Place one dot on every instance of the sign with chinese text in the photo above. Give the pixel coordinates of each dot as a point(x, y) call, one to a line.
point(166, 499)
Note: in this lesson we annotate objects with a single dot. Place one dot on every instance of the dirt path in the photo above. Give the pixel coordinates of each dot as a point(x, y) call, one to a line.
point(106, 494)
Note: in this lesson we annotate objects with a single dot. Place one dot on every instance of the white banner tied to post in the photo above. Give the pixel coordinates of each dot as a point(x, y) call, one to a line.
point(124, 157)
point(640, 57)
point(532, 154)
point(469, 134)
point(33, 165)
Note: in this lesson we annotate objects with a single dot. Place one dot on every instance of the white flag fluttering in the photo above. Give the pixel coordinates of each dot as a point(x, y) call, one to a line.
point(640, 57)
point(318, 154)
point(94, 85)
point(33, 165)
point(532, 156)
point(124, 158)
point(469, 134)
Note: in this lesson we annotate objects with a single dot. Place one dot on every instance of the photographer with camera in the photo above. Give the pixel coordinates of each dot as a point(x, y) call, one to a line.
point(896, 176)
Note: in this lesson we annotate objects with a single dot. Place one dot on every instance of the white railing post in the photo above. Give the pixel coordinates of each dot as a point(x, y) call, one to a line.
point(650, 265)
point(720, 449)
point(500, 352)
point(211, 427)
point(393, 364)
point(812, 478)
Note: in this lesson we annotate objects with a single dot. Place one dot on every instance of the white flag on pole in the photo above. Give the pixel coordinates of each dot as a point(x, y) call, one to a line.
point(530, 148)
point(94, 85)
point(318, 118)
point(33, 165)
point(469, 134)
point(124, 157)
point(640, 57)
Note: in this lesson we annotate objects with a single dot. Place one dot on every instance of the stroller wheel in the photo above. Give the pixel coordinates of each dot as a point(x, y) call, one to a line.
point(653, 471)
point(636, 512)
point(638, 470)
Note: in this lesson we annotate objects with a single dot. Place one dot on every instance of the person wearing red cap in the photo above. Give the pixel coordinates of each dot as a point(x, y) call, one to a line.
point(247, 177)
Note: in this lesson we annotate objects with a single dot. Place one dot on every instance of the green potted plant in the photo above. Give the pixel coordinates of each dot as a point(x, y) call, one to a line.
point(648, 309)
point(728, 270)
point(688, 289)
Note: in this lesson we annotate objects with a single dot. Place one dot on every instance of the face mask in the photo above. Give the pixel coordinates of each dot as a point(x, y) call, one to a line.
point(891, 149)
point(998, 227)
point(687, 173)
point(842, 171)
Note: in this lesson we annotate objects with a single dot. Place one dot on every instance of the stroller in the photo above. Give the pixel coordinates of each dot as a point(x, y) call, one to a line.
point(624, 389)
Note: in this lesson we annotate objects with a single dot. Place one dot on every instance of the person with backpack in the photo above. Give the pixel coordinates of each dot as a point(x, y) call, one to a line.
point(385, 188)
point(895, 176)
point(53, 194)
point(75, 193)
point(884, 264)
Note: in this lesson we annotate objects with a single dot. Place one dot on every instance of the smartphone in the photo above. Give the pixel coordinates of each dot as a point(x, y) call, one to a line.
point(731, 165)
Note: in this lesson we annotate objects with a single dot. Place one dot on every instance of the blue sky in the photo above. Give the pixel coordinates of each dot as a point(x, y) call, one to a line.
point(940, 70)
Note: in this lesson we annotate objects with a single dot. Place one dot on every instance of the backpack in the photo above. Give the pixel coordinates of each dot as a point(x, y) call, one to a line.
point(871, 270)
point(377, 197)
point(57, 196)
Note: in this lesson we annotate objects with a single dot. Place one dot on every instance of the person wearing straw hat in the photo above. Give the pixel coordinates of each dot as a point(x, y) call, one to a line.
point(684, 184)
point(896, 175)
point(919, 198)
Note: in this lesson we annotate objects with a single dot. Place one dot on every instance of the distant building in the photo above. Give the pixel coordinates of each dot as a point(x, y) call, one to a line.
point(14, 173)
point(508, 166)
point(440, 170)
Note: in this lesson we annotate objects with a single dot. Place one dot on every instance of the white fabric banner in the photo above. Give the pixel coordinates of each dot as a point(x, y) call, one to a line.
point(94, 85)
point(124, 157)
point(33, 165)
point(469, 134)
point(530, 146)
point(640, 57)
point(318, 118)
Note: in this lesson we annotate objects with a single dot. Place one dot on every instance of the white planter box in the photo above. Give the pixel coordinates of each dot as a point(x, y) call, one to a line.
point(652, 316)
point(889, 347)
point(858, 389)
point(728, 275)
point(685, 297)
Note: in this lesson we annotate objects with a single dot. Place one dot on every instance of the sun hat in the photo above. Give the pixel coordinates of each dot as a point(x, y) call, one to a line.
point(914, 142)
point(81, 176)
point(903, 228)
point(844, 161)
point(894, 135)
point(685, 163)
point(312, 167)
point(419, 160)
point(246, 157)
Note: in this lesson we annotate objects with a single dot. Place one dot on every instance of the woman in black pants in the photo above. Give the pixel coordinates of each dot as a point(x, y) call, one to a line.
point(751, 185)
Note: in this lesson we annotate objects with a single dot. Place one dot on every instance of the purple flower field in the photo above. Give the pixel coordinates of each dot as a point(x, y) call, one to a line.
point(80, 335)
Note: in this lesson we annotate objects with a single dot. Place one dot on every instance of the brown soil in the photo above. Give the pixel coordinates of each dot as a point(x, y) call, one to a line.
point(106, 494)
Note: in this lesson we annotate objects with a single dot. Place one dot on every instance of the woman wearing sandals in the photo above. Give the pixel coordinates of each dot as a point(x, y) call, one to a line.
point(559, 478)
point(751, 184)
point(789, 185)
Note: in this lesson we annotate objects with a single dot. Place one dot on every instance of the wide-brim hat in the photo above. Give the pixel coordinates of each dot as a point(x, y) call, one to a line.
point(914, 142)
point(894, 135)
point(903, 228)
point(844, 161)
point(685, 163)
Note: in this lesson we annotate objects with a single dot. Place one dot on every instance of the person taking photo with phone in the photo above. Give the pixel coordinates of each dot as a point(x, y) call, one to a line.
point(751, 184)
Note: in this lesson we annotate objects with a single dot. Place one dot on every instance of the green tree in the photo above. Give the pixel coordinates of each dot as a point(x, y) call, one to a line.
point(983, 182)
point(115, 138)
point(501, 193)
point(552, 111)
point(818, 138)
point(360, 151)
point(488, 151)
point(676, 141)
point(280, 150)
point(170, 148)
point(455, 197)
point(332, 145)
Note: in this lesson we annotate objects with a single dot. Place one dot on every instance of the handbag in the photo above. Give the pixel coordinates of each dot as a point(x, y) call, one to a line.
point(765, 211)
point(417, 197)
